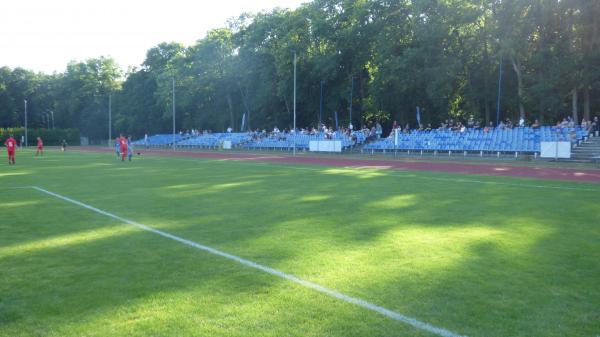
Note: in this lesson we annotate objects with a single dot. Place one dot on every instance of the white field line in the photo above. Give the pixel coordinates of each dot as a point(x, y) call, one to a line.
point(349, 299)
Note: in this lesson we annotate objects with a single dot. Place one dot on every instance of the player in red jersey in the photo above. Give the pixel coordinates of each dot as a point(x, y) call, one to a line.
point(11, 145)
point(40, 147)
point(123, 143)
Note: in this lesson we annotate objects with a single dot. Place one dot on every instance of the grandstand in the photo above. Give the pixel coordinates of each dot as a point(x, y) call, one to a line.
point(159, 140)
point(249, 140)
point(525, 140)
point(215, 140)
point(518, 140)
point(285, 141)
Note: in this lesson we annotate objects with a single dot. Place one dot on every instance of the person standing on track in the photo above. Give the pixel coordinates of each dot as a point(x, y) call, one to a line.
point(123, 143)
point(129, 148)
point(118, 147)
point(11, 145)
point(40, 147)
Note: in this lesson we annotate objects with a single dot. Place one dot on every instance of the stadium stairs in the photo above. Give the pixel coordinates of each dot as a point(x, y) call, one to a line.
point(586, 151)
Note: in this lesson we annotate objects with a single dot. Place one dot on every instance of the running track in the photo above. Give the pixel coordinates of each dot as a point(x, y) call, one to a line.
point(502, 169)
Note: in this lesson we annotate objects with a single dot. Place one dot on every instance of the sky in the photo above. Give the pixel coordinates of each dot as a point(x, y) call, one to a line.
point(44, 35)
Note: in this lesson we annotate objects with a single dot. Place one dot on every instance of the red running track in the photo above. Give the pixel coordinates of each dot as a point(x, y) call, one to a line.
point(567, 174)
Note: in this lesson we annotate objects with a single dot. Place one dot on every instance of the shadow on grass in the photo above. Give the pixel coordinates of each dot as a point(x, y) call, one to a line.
point(477, 259)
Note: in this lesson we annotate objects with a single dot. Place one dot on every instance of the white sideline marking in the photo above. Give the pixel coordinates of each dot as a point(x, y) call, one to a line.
point(353, 300)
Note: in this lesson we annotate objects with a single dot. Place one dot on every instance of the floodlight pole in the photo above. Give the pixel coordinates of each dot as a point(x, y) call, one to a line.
point(499, 93)
point(173, 79)
point(52, 114)
point(109, 119)
point(351, 91)
point(25, 101)
point(294, 153)
point(321, 107)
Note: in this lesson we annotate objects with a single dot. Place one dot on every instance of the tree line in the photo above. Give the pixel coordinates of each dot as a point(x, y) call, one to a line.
point(376, 59)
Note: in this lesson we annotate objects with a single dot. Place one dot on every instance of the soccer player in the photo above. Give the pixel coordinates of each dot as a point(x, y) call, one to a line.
point(40, 147)
point(129, 148)
point(11, 145)
point(123, 142)
point(118, 147)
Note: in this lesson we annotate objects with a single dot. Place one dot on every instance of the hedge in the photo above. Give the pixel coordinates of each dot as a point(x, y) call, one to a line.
point(49, 136)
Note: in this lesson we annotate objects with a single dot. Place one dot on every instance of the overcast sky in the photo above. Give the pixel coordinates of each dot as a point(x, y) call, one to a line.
point(44, 35)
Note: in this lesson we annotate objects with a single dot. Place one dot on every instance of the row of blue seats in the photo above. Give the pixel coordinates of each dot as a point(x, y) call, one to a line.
point(517, 139)
point(159, 140)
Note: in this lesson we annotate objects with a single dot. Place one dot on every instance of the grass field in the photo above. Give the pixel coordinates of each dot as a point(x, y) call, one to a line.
point(478, 256)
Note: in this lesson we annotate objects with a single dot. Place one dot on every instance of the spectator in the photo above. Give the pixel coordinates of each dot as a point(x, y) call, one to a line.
point(596, 126)
point(378, 130)
point(471, 123)
point(558, 125)
point(489, 128)
point(536, 124)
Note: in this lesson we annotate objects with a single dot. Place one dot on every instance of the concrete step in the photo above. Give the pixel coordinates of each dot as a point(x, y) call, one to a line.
point(586, 149)
point(583, 149)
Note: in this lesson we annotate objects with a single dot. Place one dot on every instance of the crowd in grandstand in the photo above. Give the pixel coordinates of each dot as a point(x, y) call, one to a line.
point(458, 126)
point(470, 134)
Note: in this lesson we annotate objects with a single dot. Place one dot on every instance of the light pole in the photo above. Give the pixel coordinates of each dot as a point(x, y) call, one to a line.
point(52, 114)
point(351, 91)
point(25, 122)
point(109, 119)
point(294, 103)
point(47, 120)
point(321, 107)
point(499, 92)
point(173, 78)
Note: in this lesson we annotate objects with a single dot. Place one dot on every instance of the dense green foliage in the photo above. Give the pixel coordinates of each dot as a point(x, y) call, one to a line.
point(464, 253)
point(441, 55)
point(49, 136)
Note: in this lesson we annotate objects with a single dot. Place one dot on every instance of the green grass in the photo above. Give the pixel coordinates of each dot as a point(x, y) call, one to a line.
point(479, 259)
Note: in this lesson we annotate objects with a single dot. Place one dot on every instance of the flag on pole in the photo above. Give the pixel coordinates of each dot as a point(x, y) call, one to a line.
point(243, 122)
point(418, 115)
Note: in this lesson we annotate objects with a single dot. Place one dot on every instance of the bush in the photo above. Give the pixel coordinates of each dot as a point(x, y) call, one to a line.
point(49, 136)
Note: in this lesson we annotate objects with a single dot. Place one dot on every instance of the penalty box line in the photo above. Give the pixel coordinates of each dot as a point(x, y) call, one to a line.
point(308, 284)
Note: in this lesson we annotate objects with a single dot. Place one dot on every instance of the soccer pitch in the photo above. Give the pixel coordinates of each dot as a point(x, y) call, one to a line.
point(473, 256)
